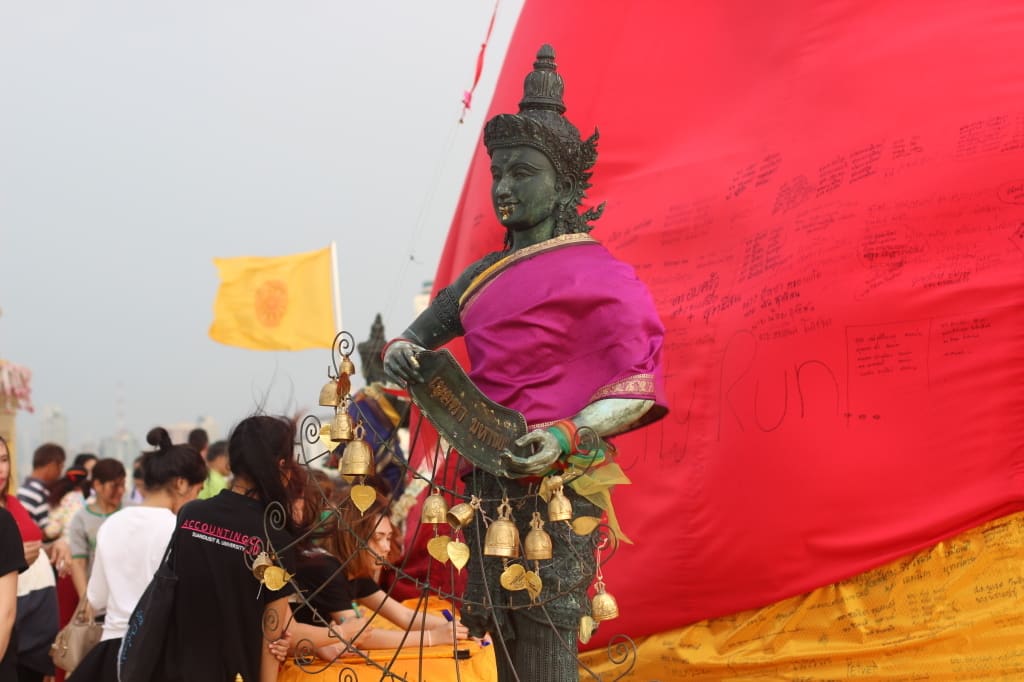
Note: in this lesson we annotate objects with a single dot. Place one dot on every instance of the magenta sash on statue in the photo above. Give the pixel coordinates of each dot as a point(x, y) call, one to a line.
point(555, 327)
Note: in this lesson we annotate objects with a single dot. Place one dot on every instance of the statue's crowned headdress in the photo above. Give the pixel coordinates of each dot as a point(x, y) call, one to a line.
point(541, 124)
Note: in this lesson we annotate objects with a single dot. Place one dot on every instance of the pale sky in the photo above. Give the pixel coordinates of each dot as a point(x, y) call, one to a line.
point(138, 141)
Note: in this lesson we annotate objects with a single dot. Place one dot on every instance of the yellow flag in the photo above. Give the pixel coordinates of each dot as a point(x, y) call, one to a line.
point(280, 303)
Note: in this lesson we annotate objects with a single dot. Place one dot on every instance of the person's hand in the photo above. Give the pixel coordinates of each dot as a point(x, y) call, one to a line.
point(401, 364)
point(545, 449)
point(280, 646)
point(31, 549)
point(446, 634)
point(59, 552)
point(86, 609)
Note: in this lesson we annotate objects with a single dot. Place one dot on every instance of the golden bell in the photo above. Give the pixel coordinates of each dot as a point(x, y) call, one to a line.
point(347, 367)
point(260, 564)
point(559, 506)
point(502, 539)
point(461, 515)
point(357, 460)
point(538, 543)
point(435, 509)
point(329, 394)
point(603, 605)
point(341, 427)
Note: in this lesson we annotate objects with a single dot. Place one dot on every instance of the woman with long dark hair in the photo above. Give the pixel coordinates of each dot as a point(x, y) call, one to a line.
point(131, 544)
point(225, 617)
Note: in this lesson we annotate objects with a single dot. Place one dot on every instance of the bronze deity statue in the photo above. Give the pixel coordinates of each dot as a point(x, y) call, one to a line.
point(559, 330)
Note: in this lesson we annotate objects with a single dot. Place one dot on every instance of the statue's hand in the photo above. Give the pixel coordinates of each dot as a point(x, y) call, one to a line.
point(546, 452)
point(401, 364)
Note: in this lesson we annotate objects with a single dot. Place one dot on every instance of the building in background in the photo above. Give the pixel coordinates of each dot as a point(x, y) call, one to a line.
point(123, 446)
point(421, 300)
point(53, 426)
point(179, 432)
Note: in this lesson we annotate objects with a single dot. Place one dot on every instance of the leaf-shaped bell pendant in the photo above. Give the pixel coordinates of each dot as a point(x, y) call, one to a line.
point(342, 428)
point(435, 509)
point(502, 537)
point(461, 515)
point(329, 394)
point(603, 605)
point(537, 546)
point(559, 506)
point(357, 459)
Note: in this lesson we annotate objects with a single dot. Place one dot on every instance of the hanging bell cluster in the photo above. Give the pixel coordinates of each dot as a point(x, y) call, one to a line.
point(335, 393)
point(502, 538)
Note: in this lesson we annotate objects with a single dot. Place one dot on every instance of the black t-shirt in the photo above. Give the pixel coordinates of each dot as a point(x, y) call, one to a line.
point(12, 558)
point(219, 603)
point(318, 569)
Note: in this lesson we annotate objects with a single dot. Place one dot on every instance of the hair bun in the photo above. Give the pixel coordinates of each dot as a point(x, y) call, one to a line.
point(159, 437)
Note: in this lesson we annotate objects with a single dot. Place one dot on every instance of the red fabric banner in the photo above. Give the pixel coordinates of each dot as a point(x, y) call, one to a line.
point(827, 202)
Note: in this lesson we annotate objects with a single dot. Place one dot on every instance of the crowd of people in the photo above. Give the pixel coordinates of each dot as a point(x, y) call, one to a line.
point(75, 541)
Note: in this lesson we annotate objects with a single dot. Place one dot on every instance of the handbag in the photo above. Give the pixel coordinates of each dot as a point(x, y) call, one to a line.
point(144, 647)
point(76, 639)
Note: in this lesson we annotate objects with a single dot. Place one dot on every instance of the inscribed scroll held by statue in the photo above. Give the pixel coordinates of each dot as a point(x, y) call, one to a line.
point(477, 427)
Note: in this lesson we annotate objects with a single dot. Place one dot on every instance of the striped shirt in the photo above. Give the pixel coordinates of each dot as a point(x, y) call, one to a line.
point(35, 497)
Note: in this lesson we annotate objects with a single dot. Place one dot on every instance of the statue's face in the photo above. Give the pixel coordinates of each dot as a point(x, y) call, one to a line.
point(524, 188)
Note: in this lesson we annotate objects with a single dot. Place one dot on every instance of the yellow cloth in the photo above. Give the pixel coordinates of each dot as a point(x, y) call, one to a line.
point(280, 303)
point(595, 485)
point(950, 612)
point(438, 663)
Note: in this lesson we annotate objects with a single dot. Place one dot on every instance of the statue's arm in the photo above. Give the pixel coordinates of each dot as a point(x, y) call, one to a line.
point(612, 415)
point(606, 417)
point(434, 327)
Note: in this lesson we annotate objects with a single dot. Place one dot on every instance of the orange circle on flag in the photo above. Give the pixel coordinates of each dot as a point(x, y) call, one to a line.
point(271, 302)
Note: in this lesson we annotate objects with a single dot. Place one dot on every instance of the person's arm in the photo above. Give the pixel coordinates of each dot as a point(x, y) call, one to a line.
point(31, 550)
point(78, 540)
point(79, 575)
point(400, 614)
point(275, 616)
point(430, 629)
point(59, 552)
point(606, 417)
point(8, 608)
point(97, 592)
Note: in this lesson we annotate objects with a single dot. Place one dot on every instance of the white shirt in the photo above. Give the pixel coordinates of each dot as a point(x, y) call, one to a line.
point(129, 548)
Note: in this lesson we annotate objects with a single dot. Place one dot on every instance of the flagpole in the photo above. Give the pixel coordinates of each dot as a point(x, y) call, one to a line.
point(334, 286)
